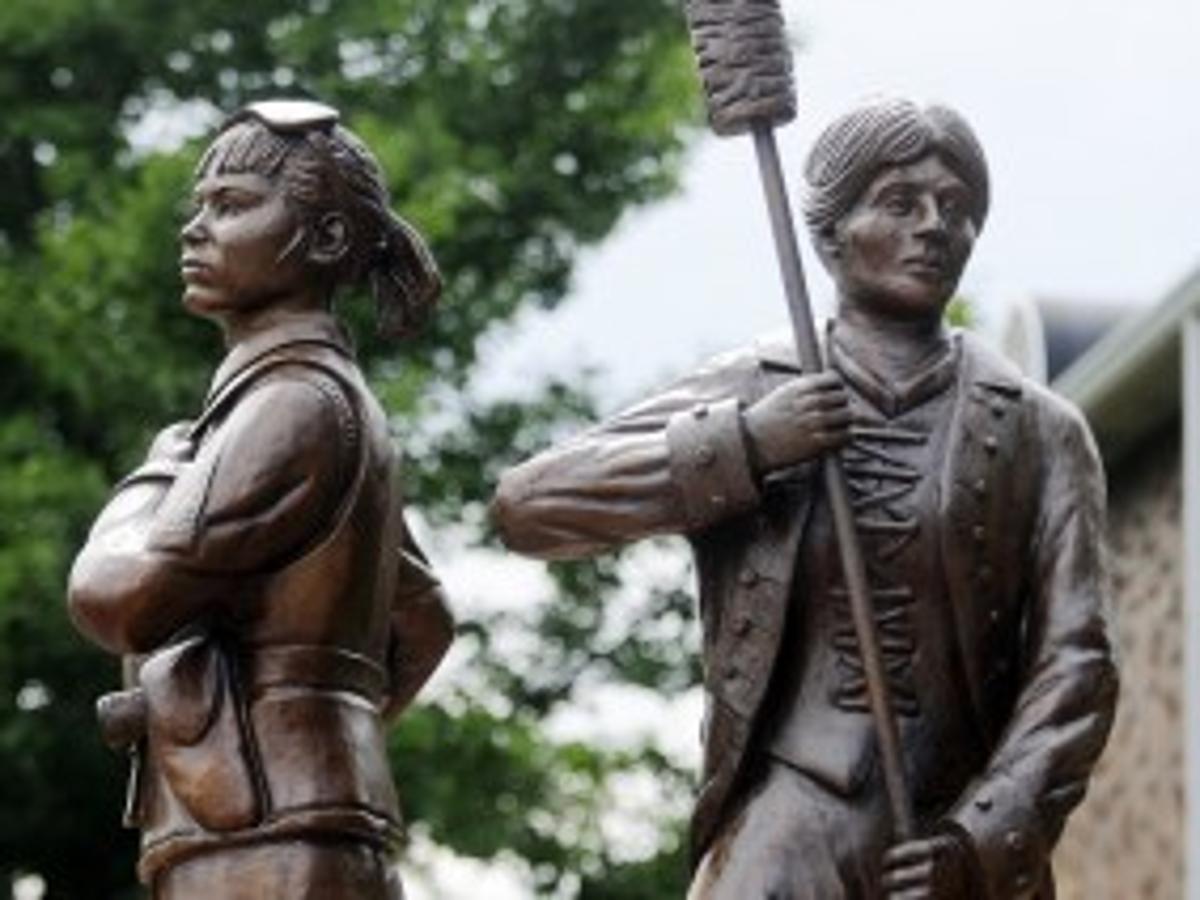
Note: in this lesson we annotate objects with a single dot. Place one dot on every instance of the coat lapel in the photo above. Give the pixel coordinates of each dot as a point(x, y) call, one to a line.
point(979, 508)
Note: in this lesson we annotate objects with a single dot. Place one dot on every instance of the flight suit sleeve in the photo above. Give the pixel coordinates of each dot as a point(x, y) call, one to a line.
point(179, 535)
point(1015, 811)
point(675, 463)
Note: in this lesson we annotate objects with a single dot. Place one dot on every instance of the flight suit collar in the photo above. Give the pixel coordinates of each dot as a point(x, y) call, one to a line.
point(305, 328)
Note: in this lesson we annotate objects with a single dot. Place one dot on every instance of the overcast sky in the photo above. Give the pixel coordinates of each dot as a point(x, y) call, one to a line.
point(1088, 114)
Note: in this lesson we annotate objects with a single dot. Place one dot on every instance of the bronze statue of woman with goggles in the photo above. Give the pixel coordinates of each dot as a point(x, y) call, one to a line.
point(255, 572)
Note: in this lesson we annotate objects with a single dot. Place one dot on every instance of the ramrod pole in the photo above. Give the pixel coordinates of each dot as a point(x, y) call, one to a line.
point(745, 65)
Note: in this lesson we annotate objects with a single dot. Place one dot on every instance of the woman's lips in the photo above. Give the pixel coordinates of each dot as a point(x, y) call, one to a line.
point(193, 269)
point(929, 267)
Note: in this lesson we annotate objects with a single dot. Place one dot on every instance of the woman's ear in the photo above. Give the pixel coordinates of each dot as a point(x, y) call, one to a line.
point(329, 240)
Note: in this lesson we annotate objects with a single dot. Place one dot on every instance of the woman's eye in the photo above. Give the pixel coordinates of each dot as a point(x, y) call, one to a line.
point(900, 204)
point(227, 204)
point(953, 211)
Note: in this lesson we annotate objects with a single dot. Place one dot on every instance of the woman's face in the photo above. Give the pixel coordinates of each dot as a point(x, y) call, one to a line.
point(901, 249)
point(242, 249)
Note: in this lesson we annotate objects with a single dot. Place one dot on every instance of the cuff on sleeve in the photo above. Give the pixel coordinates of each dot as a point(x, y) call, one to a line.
point(1006, 836)
point(709, 462)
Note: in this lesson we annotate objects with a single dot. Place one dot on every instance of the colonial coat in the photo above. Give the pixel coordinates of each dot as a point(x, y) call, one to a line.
point(1021, 494)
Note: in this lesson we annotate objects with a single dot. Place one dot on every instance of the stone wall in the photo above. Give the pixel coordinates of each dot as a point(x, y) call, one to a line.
point(1126, 841)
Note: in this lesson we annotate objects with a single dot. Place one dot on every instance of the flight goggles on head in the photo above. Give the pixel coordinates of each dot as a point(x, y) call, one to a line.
point(288, 116)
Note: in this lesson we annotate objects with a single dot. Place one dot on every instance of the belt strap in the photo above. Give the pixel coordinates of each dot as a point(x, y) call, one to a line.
point(314, 666)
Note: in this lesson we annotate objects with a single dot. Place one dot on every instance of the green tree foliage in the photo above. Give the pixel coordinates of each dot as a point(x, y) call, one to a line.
point(514, 132)
point(960, 312)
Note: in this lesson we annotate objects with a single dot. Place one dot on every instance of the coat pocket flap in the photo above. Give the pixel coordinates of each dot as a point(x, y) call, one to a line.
point(182, 685)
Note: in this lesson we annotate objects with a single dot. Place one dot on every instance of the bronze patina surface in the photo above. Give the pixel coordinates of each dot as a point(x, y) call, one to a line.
point(978, 498)
point(255, 571)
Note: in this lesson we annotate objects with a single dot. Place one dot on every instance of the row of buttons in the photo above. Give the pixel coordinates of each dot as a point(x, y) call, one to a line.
point(1016, 843)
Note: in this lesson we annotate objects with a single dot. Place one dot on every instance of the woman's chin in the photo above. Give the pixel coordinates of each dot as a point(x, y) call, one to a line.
point(920, 299)
point(910, 306)
point(202, 303)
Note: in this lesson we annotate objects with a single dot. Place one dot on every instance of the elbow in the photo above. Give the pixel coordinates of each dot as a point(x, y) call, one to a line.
point(94, 610)
point(544, 523)
point(1108, 684)
point(422, 632)
point(1104, 687)
point(509, 514)
point(1104, 673)
point(436, 630)
point(103, 599)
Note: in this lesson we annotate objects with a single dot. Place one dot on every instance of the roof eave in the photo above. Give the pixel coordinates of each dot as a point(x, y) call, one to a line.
point(1128, 382)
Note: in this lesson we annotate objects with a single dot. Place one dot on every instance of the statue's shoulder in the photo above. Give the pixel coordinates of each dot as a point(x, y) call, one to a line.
point(988, 367)
point(776, 351)
point(315, 361)
point(328, 369)
point(738, 371)
point(735, 369)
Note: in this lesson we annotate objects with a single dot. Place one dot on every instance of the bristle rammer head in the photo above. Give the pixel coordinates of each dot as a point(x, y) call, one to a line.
point(745, 63)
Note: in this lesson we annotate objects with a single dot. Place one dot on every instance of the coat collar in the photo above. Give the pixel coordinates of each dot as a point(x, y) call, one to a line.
point(932, 378)
point(777, 351)
point(307, 328)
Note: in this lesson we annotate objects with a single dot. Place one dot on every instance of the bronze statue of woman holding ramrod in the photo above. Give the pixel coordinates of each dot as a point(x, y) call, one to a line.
point(255, 570)
point(979, 502)
point(908, 661)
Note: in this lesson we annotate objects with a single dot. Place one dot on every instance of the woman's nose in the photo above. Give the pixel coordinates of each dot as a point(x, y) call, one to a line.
point(194, 229)
point(931, 221)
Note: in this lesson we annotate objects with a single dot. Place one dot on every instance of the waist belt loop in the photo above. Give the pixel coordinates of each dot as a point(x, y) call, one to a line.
point(313, 666)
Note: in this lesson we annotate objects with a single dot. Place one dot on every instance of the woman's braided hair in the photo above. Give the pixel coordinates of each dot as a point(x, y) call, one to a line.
point(884, 132)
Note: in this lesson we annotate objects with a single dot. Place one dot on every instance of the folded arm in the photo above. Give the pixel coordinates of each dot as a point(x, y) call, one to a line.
point(180, 534)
